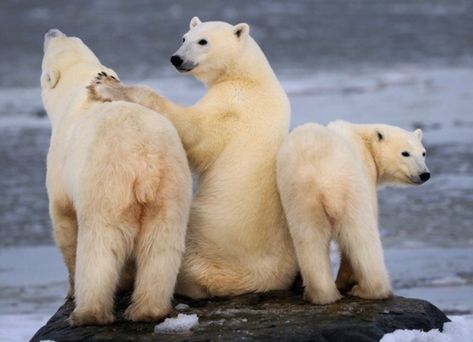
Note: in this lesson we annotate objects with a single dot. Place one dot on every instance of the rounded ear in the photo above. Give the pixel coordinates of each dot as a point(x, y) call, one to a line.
point(379, 135)
point(242, 30)
point(194, 22)
point(418, 133)
point(49, 78)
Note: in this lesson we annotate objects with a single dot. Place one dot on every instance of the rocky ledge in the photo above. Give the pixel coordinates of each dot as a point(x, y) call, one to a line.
point(273, 316)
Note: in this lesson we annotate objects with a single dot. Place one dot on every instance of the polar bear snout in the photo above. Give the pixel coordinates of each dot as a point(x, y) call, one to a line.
point(424, 176)
point(53, 33)
point(176, 61)
point(181, 65)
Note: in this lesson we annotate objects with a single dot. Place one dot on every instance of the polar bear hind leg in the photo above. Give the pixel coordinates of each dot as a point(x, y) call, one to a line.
point(158, 251)
point(360, 243)
point(311, 231)
point(102, 248)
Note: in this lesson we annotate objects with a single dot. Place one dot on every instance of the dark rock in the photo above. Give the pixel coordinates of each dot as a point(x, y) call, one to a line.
point(279, 315)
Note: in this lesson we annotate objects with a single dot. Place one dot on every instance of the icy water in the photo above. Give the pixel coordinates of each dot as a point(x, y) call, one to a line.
point(397, 62)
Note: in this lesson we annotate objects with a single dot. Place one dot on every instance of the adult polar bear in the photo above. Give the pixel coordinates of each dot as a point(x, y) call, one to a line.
point(119, 188)
point(238, 239)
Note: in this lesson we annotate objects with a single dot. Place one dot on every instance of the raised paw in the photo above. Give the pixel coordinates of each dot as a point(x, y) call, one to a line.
point(98, 317)
point(138, 313)
point(106, 88)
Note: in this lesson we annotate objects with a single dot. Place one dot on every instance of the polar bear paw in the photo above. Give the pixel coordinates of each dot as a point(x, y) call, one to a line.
point(376, 292)
point(106, 88)
point(140, 313)
point(95, 317)
point(318, 297)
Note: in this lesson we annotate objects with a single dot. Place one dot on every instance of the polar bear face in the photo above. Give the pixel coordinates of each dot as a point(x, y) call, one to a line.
point(208, 48)
point(400, 156)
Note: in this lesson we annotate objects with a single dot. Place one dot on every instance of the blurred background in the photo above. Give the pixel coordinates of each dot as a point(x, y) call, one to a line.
point(407, 63)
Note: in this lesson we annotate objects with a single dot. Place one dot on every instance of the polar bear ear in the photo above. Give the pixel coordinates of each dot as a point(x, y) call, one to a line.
point(194, 22)
point(49, 78)
point(418, 134)
point(379, 136)
point(242, 30)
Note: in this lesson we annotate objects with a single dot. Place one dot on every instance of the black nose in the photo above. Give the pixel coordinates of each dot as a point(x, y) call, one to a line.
point(424, 176)
point(176, 61)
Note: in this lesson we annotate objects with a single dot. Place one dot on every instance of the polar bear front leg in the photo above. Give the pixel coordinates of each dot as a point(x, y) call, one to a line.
point(65, 235)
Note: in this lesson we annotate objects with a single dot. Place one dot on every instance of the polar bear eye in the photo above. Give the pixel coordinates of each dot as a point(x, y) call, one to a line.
point(202, 42)
point(405, 154)
point(183, 39)
point(423, 154)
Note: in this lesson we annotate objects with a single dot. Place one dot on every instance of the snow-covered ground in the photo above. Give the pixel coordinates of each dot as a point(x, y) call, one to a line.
point(427, 230)
point(460, 329)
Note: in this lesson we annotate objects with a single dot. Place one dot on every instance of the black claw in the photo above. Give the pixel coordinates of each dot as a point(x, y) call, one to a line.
point(104, 73)
point(98, 83)
point(113, 77)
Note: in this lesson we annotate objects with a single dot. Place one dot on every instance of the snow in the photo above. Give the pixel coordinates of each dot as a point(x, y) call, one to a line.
point(460, 329)
point(181, 323)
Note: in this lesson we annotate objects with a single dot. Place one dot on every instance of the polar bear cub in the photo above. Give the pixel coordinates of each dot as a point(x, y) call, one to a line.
point(327, 178)
point(119, 188)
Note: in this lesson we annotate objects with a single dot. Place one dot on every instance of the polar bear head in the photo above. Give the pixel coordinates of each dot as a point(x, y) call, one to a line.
point(61, 53)
point(68, 67)
point(399, 155)
point(209, 48)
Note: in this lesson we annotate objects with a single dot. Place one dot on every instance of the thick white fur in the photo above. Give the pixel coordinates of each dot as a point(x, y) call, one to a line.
point(327, 177)
point(238, 239)
point(119, 187)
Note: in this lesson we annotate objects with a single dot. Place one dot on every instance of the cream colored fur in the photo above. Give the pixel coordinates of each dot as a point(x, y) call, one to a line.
point(238, 240)
point(327, 177)
point(119, 188)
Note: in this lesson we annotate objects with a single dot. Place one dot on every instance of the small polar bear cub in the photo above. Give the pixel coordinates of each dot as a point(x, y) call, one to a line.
point(327, 178)
point(119, 188)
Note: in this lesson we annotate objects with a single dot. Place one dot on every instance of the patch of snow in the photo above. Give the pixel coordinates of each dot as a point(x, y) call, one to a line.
point(181, 323)
point(458, 330)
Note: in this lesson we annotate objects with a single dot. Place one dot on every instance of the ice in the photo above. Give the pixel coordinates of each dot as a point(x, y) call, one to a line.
point(460, 329)
point(449, 280)
point(181, 323)
point(20, 327)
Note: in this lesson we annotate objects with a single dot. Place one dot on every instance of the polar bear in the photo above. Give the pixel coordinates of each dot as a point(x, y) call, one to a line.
point(119, 187)
point(327, 178)
point(238, 240)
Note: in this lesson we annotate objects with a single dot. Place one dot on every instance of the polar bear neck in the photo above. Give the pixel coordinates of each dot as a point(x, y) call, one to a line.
point(250, 65)
point(360, 137)
point(366, 135)
point(68, 101)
